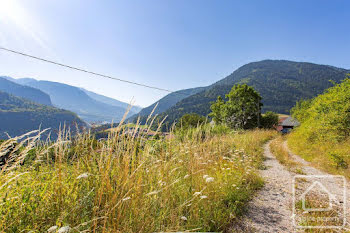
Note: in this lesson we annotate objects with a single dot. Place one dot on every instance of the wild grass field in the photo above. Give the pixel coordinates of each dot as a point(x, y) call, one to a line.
point(199, 180)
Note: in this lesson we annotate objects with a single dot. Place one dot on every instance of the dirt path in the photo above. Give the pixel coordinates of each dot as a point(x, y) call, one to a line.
point(271, 209)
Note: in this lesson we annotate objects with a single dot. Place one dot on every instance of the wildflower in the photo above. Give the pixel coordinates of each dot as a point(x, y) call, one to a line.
point(52, 229)
point(205, 176)
point(184, 218)
point(127, 198)
point(65, 229)
point(209, 179)
point(203, 197)
point(83, 176)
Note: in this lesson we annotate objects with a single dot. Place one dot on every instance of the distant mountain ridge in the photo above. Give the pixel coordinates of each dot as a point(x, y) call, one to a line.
point(111, 101)
point(280, 82)
point(90, 106)
point(10, 86)
point(168, 101)
point(19, 116)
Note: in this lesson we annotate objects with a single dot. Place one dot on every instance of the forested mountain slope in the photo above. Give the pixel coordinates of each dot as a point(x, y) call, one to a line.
point(76, 100)
point(281, 84)
point(19, 116)
point(30, 93)
point(168, 101)
point(111, 101)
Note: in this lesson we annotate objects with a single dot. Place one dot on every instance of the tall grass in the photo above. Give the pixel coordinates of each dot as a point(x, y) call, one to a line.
point(330, 156)
point(198, 181)
point(282, 155)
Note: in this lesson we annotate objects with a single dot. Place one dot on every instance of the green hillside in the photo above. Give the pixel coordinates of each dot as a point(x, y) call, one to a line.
point(19, 116)
point(323, 138)
point(9, 85)
point(111, 101)
point(281, 84)
point(78, 101)
point(167, 102)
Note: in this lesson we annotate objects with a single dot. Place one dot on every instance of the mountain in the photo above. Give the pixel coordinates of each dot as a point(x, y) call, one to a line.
point(9, 85)
point(78, 101)
point(281, 83)
point(19, 116)
point(111, 101)
point(168, 101)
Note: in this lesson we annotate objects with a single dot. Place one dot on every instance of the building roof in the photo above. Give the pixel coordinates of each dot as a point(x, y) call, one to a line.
point(281, 119)
point(290, 121)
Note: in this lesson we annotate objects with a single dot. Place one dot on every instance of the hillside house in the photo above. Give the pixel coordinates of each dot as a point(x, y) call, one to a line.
point(286, 124)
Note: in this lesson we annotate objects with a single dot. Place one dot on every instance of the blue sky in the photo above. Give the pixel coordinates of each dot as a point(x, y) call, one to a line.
point(173, 44)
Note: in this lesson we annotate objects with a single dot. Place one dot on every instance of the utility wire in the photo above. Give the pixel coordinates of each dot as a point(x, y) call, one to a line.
point(85, 71)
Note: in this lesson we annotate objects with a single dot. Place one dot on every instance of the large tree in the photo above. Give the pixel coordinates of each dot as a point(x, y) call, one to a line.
point(242, 110)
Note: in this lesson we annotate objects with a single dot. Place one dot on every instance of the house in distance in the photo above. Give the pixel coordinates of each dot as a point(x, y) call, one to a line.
point(286, 124)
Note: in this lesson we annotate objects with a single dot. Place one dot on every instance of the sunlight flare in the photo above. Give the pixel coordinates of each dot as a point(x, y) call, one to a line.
point(16, 21)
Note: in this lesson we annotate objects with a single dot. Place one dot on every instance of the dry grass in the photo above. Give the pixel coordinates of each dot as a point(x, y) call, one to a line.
point(199, 181)
point(329, 156)
point(278, 149)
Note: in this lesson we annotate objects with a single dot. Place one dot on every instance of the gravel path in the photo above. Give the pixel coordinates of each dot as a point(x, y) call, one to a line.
point(270, 210)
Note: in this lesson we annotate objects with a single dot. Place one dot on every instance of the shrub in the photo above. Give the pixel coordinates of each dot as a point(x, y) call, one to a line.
point(192, 120)
point(269, 120)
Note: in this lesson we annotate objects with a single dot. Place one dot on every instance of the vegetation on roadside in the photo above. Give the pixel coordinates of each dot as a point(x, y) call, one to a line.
point(282, 155)
point(324, 135)
point(196, 181)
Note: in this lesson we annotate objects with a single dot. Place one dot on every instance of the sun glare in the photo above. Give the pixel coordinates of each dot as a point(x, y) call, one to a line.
point(11, 11)
point(16, 21)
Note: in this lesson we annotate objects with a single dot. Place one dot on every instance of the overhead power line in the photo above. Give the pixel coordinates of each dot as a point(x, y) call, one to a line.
point(84, 70)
